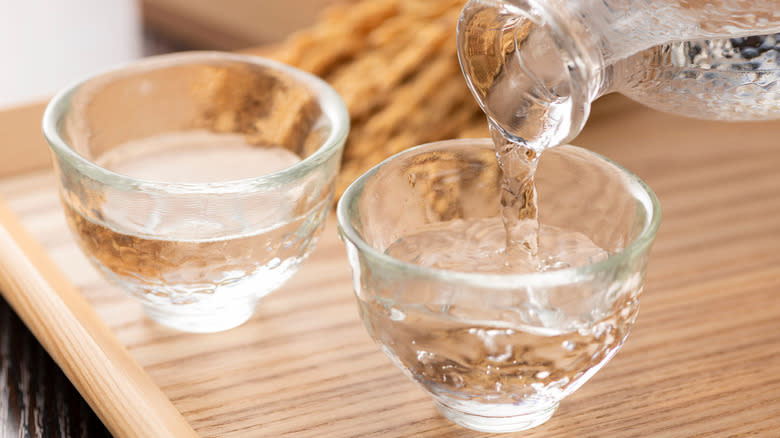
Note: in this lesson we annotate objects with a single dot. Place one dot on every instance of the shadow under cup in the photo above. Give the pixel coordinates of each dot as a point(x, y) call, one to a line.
point(197, 182)
point(497, 351)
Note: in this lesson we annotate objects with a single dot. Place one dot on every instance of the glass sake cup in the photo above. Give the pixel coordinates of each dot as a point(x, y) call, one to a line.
point(199, 181)
point(497, 352)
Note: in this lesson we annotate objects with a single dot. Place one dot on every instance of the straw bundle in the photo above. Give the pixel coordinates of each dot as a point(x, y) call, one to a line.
point(395, 64)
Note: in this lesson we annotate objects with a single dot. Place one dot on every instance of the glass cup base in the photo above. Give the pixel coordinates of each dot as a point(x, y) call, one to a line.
point(188, 318)
point(482, 423)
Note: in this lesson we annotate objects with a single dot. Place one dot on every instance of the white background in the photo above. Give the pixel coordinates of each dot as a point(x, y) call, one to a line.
point(47, 44)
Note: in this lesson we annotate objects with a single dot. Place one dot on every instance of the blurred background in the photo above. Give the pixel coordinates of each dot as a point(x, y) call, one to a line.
point(46, 44)
point(394, 62)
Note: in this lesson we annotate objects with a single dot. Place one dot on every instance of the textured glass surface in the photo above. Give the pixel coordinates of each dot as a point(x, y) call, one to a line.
point(724, 79)
point(535, 66)
point(497, 349)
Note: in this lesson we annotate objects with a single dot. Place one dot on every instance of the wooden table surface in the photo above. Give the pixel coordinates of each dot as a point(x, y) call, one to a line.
point(702, 361)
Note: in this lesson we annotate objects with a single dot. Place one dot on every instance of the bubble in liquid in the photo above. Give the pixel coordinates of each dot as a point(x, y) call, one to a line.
point(274, 262)
point(542, 375)
point(397, 314)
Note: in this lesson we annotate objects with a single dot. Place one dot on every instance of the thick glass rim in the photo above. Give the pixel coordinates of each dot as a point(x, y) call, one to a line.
point(643, 193)
point(330, 101)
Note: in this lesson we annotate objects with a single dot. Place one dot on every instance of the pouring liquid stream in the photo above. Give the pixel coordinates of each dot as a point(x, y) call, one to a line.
point(519, 211)
point(526, 95)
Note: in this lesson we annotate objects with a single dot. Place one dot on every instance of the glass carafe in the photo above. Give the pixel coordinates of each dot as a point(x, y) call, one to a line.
point(535, 66)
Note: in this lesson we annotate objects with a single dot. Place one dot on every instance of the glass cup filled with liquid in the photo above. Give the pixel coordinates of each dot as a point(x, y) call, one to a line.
point(197, 182)
point(498, 292)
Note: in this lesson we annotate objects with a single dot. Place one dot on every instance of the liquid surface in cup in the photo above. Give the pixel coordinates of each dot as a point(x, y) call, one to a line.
point(479, 245)
point(195, 157)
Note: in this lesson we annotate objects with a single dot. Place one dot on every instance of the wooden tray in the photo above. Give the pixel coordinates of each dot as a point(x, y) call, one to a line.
point(703, 359)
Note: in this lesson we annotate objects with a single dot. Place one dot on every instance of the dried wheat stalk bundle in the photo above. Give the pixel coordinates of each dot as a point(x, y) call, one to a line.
point(395, 64)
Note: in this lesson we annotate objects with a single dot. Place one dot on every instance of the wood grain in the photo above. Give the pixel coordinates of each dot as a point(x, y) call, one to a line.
point(702, 361)
point(36, 399)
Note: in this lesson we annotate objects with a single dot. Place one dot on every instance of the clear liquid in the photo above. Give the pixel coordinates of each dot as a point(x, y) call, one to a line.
point(183, 250)
point(172, 271)
point(489, 359)
point(469, 363)
point(195, 157)
point(502, 360)
point(518, 198)
point(478, 245)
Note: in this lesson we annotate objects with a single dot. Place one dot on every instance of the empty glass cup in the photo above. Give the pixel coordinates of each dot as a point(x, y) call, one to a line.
point(197, 182)
point(497, 350)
